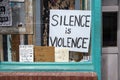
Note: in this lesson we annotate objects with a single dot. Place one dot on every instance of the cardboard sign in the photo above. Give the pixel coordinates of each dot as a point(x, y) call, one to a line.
point(26, 53)
point(70, 29)
point(61, 55)
point(5, 13)
point(44, 54)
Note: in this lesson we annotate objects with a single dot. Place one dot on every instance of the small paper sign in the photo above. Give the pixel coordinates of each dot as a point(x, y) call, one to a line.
point(61, 55)
point(26, 53)
point(5, 13)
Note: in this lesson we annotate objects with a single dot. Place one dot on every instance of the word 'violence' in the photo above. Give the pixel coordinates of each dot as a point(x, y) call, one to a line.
point(71, 43)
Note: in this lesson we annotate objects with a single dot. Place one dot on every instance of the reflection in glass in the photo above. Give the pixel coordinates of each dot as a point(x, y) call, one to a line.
point(18, 14)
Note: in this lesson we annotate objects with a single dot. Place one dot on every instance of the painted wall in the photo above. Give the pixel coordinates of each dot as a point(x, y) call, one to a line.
point(110, 54)
point(109, 2)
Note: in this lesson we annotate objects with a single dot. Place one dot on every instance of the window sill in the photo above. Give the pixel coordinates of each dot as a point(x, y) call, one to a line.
point(46, 66)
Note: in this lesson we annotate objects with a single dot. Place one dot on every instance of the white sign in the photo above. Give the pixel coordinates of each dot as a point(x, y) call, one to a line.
point(5, 13)
point(70, 29)
point(61, 55)
point(26, 53)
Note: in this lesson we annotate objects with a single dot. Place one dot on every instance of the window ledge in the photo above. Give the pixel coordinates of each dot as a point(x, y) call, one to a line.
point(46, 66)
point(109, 8)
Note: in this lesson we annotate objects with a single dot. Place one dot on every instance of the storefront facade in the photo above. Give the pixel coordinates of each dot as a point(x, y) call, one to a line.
point(28, 37)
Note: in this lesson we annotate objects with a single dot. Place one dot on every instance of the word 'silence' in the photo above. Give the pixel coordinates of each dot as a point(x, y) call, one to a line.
point(72, 20)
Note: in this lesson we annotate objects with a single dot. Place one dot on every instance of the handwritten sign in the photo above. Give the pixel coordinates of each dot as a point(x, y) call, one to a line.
point(70, 29)
point(26, 53)
point(5, 13)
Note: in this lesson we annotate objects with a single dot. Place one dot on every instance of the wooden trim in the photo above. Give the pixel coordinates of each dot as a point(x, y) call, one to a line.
point(30, 39)
point(29, 16)
point(1, 48)
point(110, 50)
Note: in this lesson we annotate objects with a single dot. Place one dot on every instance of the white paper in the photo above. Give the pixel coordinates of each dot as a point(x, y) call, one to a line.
point(70, 29)
point(26, 53)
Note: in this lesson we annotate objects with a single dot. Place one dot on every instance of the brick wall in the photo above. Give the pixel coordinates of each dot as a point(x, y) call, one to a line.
point(47, 76)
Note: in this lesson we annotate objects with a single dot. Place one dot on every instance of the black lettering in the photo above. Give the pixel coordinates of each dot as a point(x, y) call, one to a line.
point(59, 43)
point(60, 20)
point(82, 24)
point(53, 42)
point(65, 20)
point(3, 19)
point(63, 43)
point(73, 43)
point(84, 42)
point(68, 41)
point(78, 40)
point(87, 21)
point(67, 30)
point(77, 21)
point(2, 9)
point(71, 20)
point(53, 18)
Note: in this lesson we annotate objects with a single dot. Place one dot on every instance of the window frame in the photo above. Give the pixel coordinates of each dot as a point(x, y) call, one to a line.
point(92, 66)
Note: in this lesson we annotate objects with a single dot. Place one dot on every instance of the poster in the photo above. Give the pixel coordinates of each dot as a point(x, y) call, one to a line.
point(70, 29)
point(26, 53)
point(5, 13)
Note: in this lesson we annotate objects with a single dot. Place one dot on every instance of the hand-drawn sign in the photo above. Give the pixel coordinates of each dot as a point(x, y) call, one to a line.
point(5, 13)
point(70, 29)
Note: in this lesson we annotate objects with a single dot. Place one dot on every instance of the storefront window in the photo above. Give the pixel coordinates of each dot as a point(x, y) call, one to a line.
point(109, 29)
point(12, 43)
point(30, 30)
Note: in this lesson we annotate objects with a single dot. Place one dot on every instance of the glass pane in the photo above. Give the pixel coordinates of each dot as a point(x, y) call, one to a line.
point(64, 5)
point(109, 29)
point(11, 46)
point(11, 42)
point(16, 17)
point(18, 14)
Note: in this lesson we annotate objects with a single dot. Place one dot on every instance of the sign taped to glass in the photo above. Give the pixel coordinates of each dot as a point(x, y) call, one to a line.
point(5, 13)
point(70, 29)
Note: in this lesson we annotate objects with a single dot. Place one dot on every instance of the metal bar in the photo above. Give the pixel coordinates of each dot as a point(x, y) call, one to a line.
point(38, 22)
